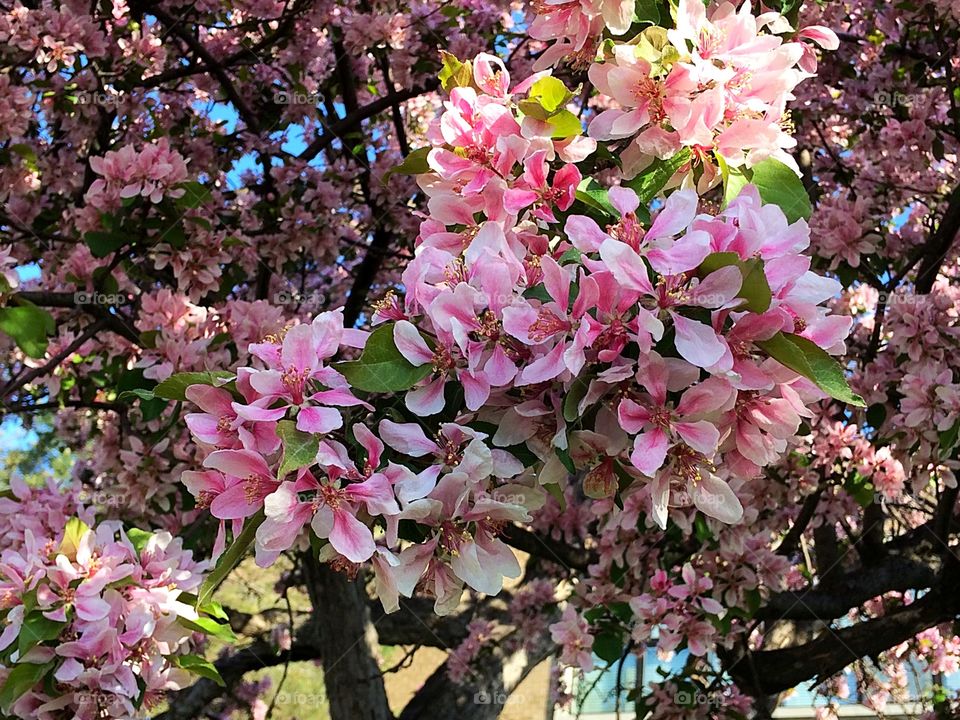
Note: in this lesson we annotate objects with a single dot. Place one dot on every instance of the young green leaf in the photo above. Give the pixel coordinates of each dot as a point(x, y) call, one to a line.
point(413, 164)
point(37, 629)
point(139, 538)
point(776, 183)
point(73, 532)
point(209, 626)
point(548, 97)
point(175, 386)
point(299, 448)
point(28, 326)
point(806, 358)
point(593, 194)
point(454, 73)
point(19, 680)
point(230, 559)
point(564, 125)
point(198, 666)
point(381, 367)
point(754, 289)
point(656, 175)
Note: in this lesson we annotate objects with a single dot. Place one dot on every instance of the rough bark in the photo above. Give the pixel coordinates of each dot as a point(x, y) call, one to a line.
point(354, 684)
point(490, 685)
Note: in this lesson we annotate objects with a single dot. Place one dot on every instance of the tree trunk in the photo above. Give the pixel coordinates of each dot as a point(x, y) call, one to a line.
point(354, 684)
point(487, 687)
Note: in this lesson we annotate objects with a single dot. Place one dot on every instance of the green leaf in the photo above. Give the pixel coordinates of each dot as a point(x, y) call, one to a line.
point(73, 532)
point(564, 125)
point(776, 183)
point(948, 439)
point(198, 666)
point(104, 242)
point(557, 492)
point(210, 607)
point(140, 393)
point(566, 460)
point(651, 181)
point(139, 538)
point(230, 558)
point(608, 646)
point(647, 11)
point(209, 626)
point(454, 73)
point(214, 609)
point(26, 154)
point(299, 448)
point(413, 164)
point(37, 629)
point(194, 196)
point(381, 367)
point(806, 358)
point(593, 194)
point(28, 326)
point(548, 96)
point(570, 256)
point(175, 386)
point(571, 402)
point(19, 680)
point(754, 289)
point(861, 490)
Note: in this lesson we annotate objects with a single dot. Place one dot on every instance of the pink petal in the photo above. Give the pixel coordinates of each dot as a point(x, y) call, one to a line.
point(232, 503)
point(545, 367)
point(407, 438)
point(376, 493)
point(215, 401)
point(351, 538)
point(702, 436)
point(238, 463)
point(678, 212)
point(321, 420)
point(515, 200)
point(411, 344)
point(626, 265)
point(649, 451)
point(255, 413)
point(683, 255)
point(633, 416)
point(697, 343)
point(713, 497)
point(428, 399)
point(623, 199)
point(298, 350)
point(584, 233)
point(92, 608)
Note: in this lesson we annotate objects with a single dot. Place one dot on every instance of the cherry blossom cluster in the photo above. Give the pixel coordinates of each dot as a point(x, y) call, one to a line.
point(569, 364)
point(719, 81)
point(513, 301)
point(92, 617)
point(153, 173)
